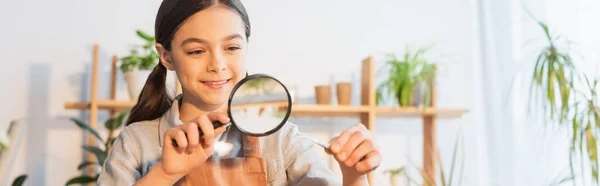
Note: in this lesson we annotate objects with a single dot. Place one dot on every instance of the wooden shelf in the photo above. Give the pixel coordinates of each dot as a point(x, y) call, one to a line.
point(413, 112)
point(102, 105)
point(309, 110)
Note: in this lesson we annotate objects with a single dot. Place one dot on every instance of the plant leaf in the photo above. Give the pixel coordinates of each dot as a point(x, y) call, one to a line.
point(551, 77)
point(85, 164)
point(87, 128)
point(453, 158)
point(592, 151)
point(100, 154)
point(144, 35)
point(442, 172)
point(82, 180)
point(19, 180)
point(116, 122)
point(112, 124)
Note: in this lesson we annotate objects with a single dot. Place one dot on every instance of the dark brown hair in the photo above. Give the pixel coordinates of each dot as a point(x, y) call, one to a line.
point(154, 100)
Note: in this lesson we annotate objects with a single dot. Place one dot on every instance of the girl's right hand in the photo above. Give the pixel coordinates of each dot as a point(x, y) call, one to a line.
point(192, 150)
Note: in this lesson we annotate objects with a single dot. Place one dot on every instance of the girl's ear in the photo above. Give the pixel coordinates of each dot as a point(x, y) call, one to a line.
point(165, 57)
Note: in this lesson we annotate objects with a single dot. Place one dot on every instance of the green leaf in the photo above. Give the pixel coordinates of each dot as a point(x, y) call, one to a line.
point(537, 75)
point(87, 128)
point(551, 77)
point(378, 95)
point(122, 116)
point(144, 35)
point(100, 154)
point(575, 132)
point(395, 171)
point(85, 164)
point(592, 151)
point(19, 180)
point(116, 122)
point(82, 180)
point(453, 158)
point(135, 60)
point(442, 172)
point(112, 124)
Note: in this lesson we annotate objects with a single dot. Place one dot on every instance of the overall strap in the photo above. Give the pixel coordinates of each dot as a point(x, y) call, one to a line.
point(251, 146)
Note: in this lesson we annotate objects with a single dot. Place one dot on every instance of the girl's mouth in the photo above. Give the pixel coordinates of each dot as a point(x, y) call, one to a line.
point(215, 84)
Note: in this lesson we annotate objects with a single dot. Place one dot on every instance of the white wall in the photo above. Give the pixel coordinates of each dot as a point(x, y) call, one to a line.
point(47, 52)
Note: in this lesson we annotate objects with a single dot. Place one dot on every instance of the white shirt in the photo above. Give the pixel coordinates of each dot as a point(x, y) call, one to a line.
point(290, 158)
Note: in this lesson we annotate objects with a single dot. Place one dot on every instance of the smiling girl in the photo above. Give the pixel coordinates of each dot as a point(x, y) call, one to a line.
point(205, 42)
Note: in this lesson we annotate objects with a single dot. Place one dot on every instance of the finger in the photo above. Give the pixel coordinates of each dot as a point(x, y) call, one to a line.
point(355, 139)
point(338, 143)
point(220, 130)
point(361, 151)
point(193, 136)
point(171, 142)
point(207, 130)
point(370, 163)
point(179, 137)
point(216, 116)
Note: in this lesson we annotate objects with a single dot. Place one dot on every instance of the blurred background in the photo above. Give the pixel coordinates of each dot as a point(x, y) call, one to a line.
point(485, 53)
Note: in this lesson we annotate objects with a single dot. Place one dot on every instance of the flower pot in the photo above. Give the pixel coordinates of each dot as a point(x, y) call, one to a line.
point(416, 98)
point(344, 93)
point(323, 94)
point(136, 79)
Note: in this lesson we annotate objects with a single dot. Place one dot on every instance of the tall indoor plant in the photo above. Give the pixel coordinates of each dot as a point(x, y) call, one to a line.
point(137, 66)
point(409, 79)
point(101, 153)
point(569, 98)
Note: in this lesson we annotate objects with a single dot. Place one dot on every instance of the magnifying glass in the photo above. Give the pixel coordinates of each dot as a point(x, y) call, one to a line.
point(259, 105)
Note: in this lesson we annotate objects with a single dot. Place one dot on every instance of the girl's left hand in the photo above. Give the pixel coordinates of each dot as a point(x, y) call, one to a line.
point(356, 151)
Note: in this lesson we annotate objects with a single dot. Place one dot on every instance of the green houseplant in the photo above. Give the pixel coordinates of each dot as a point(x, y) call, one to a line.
point(136, 67)
point(409, 79)
point(101, 153)
point(569, 98)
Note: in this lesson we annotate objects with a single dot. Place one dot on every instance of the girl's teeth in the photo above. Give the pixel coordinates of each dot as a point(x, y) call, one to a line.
point(215, 82)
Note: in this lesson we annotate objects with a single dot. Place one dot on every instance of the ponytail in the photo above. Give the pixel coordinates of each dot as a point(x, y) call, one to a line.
point(154, 100)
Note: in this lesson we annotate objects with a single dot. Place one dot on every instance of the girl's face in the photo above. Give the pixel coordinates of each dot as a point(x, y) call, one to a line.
point(208, 54)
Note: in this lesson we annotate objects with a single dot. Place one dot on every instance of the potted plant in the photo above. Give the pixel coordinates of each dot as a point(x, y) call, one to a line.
point(137, 66)
point(101, 153)
point(409, 79)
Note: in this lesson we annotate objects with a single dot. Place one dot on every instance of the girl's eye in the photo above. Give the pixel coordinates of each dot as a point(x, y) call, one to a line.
point(195, 52)
point(233, 48)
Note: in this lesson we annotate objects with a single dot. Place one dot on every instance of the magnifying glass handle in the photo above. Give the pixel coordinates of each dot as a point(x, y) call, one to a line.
point(216, 124)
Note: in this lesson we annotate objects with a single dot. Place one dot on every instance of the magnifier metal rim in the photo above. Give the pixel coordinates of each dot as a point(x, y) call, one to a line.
point(254, 76)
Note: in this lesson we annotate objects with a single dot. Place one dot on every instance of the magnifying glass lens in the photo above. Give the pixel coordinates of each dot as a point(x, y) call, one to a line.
point(260, 105)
